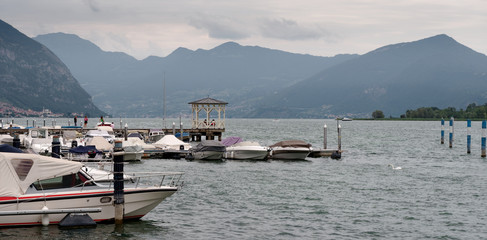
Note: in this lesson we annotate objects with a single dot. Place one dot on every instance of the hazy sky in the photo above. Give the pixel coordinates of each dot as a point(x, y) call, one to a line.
point(318, 27)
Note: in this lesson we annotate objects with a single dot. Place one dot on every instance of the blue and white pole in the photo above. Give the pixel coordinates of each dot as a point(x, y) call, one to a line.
point(484, 125)
point(442, 131)
point(451, 132)
point(469, 137)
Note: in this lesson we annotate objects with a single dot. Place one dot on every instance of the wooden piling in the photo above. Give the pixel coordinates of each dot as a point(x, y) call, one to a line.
point(469, 137)
point(118, 194)
point(484, 125)
point(442, 131)
point(339, 138)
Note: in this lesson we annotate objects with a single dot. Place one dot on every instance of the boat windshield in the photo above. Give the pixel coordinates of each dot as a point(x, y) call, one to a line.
point(66, 181)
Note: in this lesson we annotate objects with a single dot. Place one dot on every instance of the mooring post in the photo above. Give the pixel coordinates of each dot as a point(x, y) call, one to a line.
point(173, 128)
point(469, 138)
point(484, 125)
point(118, 194)
point(324, 137)
point(125, 132)
point(56, 147)
point(442, 131)
point(451, 132)
point(181, 127)
point(16, 141)
point(33, 123)
point(339, 138)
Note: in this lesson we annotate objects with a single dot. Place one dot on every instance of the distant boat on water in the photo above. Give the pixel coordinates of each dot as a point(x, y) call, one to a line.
point(346, 119)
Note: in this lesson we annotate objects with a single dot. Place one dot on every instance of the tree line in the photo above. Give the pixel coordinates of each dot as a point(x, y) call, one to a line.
point(471, 112)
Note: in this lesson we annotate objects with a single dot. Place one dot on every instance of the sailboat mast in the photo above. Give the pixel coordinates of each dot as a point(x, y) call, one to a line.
point(164, 101)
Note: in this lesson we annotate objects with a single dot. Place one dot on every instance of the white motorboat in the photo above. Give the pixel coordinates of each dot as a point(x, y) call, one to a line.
point(39, 141)
point(34, 187)
point(208, 150)
point(99, 133)
point(290, 150)
point(246, 150)
point(155, 135)
point(133, 153)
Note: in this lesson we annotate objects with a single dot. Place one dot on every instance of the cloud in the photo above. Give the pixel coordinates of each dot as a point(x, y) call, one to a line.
point(219, 27)
point(290, 30)
point(92, 4)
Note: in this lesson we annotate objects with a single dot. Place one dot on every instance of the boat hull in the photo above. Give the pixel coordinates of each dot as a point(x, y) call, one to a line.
point(138, 202)
point(208, 155)
point(290, 153)
point(246, 154)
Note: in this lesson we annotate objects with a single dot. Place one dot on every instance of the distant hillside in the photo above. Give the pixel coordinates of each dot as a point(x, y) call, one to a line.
point(32, 77)
point(239, 75)
point(437, 71)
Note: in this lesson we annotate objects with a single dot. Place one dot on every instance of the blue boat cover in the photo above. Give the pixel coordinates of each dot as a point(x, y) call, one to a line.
point(84, 149)
point(8, 148)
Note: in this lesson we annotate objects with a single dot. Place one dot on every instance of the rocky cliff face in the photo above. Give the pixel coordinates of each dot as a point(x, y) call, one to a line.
point(32, 77)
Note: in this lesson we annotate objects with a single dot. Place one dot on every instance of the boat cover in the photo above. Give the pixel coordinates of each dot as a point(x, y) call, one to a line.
point(246, 143)
point(8, 148)
point(19, 170)
point(171, 142)
point(229, 141)
point(94, 133)
point(100, 143)
point(291, 143)
point(133, 148)
point(135, 141)
point(84, 149)
point(209, 145)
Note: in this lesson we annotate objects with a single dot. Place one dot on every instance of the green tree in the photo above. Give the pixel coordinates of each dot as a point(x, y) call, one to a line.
point(377, 114)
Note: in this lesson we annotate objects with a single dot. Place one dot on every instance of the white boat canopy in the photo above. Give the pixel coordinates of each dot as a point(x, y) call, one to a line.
point(19, 170)
point(171, 142)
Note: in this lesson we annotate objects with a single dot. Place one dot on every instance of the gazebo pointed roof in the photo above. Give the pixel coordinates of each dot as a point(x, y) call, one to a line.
point(208, 100)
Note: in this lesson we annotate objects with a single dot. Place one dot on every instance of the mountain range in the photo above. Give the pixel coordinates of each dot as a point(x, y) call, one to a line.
point(261, 82)
point(255, 81)
point(432, 72)
point(33, 78)
point(239, 75)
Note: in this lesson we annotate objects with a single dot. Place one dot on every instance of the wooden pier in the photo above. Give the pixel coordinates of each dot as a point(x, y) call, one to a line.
point(193, 134)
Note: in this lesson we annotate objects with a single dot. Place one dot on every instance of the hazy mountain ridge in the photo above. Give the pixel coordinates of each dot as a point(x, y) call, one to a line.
point(32, 77)
point(240, 75)
point(436, 71)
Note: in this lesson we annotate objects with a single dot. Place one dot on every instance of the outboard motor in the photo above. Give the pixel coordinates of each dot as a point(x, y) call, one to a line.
point(336, 155)
point(91, 154)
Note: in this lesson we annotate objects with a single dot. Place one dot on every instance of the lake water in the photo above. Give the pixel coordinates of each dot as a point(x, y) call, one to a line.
point(439, 193)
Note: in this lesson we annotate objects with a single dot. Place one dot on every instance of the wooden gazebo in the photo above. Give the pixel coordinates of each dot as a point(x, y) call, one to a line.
point(208, 120)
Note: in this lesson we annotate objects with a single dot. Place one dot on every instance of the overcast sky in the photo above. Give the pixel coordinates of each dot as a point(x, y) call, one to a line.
point(318, 27)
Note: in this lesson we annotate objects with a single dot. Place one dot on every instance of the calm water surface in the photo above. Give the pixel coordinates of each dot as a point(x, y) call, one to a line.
point(440, 193)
